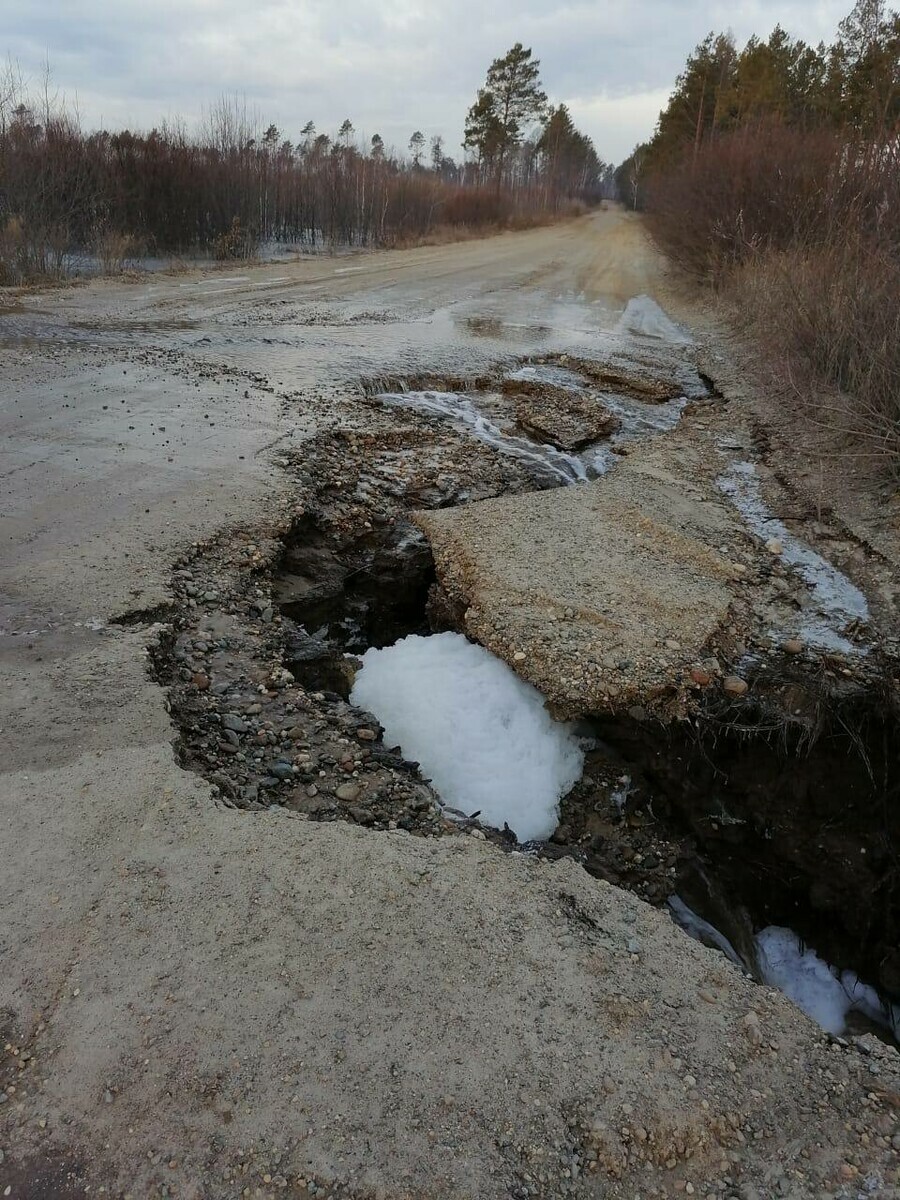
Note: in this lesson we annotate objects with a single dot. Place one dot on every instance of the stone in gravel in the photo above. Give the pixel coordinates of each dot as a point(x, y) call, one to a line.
point(200, 681)
point(348, 792)
point(775, 546)
point(734, 685)
point(282, 770)
point(752, 1029)
point(233, 722)
point(366, 735)
point(700, 677)
point(793, 646)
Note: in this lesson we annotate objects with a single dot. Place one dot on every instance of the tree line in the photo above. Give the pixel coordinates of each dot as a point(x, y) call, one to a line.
point(232, 184)
point(774, 174)
point(850, 88)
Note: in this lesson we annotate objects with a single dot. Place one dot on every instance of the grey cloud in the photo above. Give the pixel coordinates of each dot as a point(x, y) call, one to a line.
point(391, 66)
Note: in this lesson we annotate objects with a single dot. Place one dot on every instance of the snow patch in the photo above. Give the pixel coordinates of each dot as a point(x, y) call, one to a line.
point(547, 373)
point(644, 317)
point(835, 602)
point(821, 991)
point(701, 931)
point(783, 961)
point(479, 732)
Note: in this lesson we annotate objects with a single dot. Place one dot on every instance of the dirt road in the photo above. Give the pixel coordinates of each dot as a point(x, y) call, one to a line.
point(198, 1001)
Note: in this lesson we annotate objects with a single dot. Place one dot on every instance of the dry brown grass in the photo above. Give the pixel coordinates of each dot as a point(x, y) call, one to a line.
point(831, 316)
point(804, 232)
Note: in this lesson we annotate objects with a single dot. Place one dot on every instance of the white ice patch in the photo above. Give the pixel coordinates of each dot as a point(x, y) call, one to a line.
point(644, 317)
point(822, 992)
point(835, 603)
point(479, 732)
point(701, 931)
point(461, 410)
point(547, 373)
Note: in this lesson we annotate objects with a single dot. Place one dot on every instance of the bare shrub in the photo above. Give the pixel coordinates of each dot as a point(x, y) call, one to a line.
point(831, 313)
point(235, 242)
point(114, 250)
point(13, 256)
point(806, 227)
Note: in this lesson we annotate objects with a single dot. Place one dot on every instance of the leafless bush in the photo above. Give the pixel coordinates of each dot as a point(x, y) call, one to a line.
point(806, 228)
point(114, 250)
point(225, 191)
point(13, 258)
point(235, 242)
point(831, 313)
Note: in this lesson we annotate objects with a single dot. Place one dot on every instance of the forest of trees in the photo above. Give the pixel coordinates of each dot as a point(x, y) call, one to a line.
point(774, 174)
point(850, 88)
point(233, 184)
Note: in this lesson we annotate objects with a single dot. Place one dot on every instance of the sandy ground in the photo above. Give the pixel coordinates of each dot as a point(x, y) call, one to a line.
point(198, 1002)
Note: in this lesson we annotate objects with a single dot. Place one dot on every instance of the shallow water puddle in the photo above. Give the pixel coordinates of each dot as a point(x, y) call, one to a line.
point(835, 603)
point(479, 732)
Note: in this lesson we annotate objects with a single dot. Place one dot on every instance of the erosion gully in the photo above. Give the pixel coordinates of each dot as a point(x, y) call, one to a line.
point(775, 808)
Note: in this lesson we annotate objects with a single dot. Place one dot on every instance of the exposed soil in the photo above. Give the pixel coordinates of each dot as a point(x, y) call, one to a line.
point(565, 419)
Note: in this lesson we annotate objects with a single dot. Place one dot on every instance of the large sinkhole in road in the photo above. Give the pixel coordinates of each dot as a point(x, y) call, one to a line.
point(479, 732)
point(774, 846)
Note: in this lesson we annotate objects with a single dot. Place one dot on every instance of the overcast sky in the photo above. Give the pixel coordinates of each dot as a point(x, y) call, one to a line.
point(392, 66)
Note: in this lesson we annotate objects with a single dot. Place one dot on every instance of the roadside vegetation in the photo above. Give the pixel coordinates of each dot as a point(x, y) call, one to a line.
point(232, 186)
point(774, 176)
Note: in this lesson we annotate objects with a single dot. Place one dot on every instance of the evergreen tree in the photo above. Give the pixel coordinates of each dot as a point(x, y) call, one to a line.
point(511, 98)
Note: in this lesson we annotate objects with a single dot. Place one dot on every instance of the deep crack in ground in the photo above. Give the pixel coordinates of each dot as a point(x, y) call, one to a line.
point(773, 808)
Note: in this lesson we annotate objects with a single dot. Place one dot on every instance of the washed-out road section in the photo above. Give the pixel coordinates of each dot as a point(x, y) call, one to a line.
point(196, 1001)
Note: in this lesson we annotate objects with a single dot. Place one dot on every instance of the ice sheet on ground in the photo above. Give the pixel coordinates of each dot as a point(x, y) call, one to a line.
point(479, 732)
point(836, 603)
point(547, 373)
point(644, 317)
point(823, 993)
point(463, 411)
point(701, 931)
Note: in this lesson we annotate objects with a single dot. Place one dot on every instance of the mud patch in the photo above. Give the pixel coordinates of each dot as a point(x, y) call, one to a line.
point(48, 1176)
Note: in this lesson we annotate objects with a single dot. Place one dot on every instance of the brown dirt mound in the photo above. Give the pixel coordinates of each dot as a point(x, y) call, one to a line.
point(559, 417)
